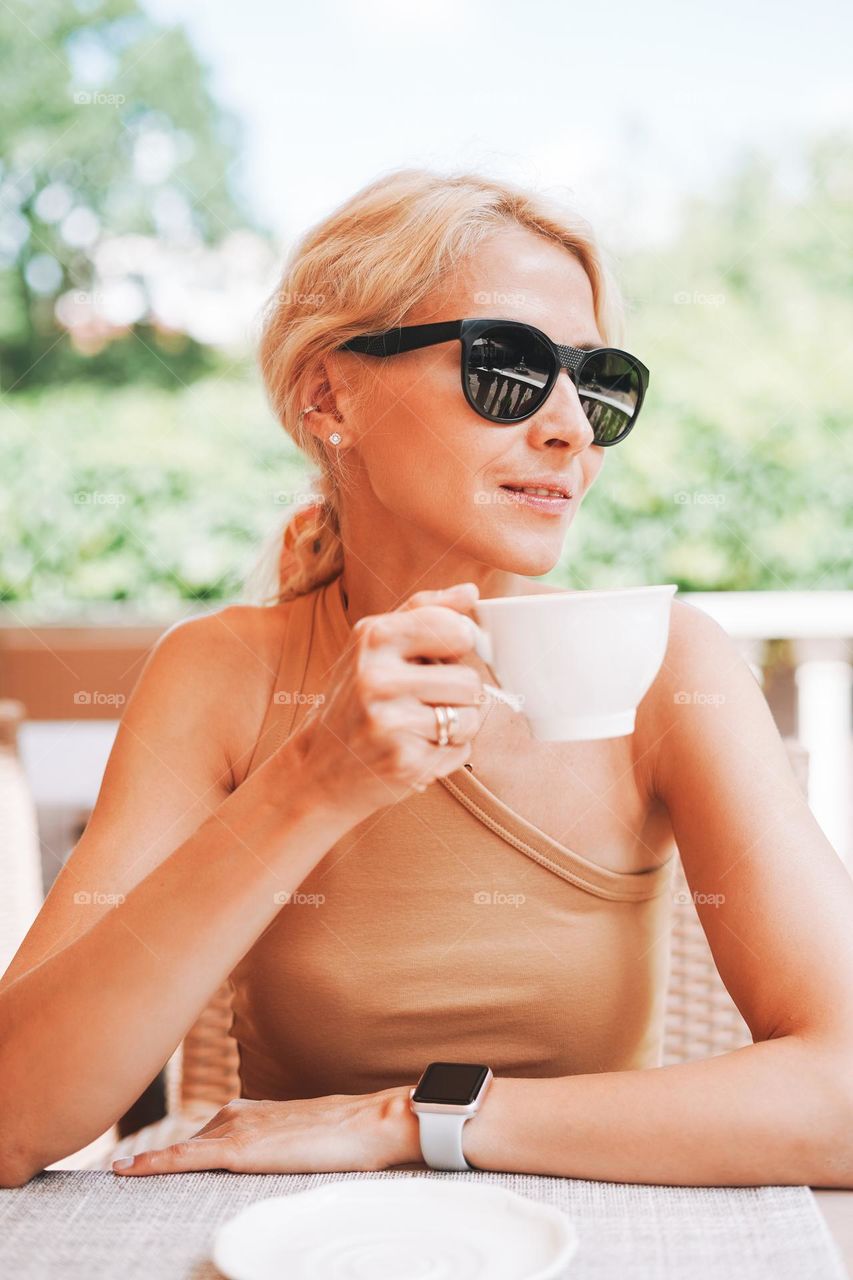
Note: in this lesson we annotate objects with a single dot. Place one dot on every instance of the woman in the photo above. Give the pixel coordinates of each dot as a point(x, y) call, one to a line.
point(278, 809)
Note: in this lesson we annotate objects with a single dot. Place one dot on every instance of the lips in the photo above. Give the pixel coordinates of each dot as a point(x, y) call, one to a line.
point(542, 488)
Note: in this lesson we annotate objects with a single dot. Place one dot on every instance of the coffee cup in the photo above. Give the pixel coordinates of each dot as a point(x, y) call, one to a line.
point(578, 663)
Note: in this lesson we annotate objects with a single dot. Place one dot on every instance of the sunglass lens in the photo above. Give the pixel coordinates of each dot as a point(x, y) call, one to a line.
point(508, 371)
point(609, 392)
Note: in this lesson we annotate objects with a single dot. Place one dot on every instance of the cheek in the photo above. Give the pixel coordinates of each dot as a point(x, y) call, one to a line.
point(429, 449)
point(592, 462)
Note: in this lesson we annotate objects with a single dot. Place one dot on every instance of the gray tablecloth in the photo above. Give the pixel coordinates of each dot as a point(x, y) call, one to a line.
point(79, 1224)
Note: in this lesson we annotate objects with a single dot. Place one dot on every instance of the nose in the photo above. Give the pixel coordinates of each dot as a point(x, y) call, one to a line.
point(561, 421)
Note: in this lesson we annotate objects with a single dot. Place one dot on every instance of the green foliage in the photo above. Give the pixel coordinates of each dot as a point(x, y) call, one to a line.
point(141, 495)
point(737, 475)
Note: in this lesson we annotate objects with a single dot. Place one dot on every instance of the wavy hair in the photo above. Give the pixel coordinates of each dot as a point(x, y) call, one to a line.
point(361, 269)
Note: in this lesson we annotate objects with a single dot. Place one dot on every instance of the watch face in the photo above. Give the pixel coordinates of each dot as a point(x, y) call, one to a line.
point(455, 1083)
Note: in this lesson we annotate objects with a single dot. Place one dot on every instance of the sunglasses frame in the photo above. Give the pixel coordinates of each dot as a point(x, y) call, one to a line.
point(412, 337)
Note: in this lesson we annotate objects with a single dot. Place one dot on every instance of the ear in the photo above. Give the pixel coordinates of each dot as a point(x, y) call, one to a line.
point(323, 393)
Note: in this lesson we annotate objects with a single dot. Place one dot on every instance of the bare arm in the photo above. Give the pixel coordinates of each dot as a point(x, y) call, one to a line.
point(100, 994)
point(776, 903)
point(172, 882)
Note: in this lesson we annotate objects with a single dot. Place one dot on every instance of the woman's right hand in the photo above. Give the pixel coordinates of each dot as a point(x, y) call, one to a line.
point(372, 741)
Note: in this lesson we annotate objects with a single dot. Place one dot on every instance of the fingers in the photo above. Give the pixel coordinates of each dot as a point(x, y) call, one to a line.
point(460, 596)
point(180, 1157)
point(466, 729)
point(446, 683)
point(430, 631)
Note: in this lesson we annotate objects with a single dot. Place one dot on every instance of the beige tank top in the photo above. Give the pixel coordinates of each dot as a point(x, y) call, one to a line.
point(443, 927)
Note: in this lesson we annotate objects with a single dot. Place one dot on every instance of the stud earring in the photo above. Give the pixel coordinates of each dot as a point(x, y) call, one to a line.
point(336, 437)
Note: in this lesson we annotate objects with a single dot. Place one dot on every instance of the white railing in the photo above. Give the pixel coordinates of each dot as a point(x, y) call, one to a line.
point(43, 666)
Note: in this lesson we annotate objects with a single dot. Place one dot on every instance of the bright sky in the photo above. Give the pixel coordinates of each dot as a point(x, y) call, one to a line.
point(622, 105)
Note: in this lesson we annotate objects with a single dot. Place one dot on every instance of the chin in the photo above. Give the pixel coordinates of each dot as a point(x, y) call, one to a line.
point(529, 560)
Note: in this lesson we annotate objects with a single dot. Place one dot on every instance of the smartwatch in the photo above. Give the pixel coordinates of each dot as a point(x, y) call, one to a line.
point(447, 1094)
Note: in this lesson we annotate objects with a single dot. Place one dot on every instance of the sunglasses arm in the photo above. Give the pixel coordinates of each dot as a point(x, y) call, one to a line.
point(393, 342)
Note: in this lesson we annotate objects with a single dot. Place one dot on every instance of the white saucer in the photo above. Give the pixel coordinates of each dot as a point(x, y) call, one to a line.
point(397, 1229)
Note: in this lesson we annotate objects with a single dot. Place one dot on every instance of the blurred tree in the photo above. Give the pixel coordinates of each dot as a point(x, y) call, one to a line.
point(108, 131)
point(739, 475)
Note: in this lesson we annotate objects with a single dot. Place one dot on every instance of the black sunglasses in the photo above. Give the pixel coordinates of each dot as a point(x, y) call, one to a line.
point(509, 369)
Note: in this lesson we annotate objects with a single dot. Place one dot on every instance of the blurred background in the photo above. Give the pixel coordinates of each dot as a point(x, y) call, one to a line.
point(157, 157)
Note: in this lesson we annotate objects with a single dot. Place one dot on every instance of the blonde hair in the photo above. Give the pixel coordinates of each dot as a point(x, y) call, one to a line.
point(362, 269)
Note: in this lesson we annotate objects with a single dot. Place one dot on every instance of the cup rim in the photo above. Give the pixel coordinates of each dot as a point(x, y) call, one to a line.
point(587, 595)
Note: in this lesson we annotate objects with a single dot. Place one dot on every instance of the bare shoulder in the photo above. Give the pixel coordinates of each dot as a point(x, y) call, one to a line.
point(696, 645)
point(694, 637)
point(236, 630)
point(224, 664)
point(703, 681)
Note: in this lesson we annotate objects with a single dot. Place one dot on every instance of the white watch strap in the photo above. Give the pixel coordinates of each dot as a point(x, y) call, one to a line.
point(441, 1140)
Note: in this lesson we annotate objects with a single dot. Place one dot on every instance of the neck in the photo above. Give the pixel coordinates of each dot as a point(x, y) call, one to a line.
point(387, 558)
point(366, 590)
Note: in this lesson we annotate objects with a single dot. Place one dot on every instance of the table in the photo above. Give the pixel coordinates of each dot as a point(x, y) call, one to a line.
point(836, 1208)
point(76, 1224)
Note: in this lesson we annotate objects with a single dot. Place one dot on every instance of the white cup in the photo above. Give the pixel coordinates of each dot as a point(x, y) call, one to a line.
point(578, 662)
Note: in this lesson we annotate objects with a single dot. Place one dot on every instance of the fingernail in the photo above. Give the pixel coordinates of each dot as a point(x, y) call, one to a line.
point(124, 1163)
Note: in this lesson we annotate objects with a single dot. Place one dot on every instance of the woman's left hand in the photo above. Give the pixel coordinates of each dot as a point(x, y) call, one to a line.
point(341, 1132)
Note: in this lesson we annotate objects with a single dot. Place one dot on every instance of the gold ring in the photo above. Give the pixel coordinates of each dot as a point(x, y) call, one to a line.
point(447, 722)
